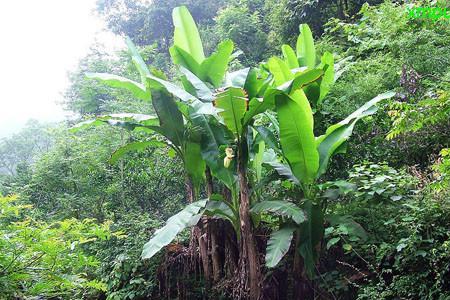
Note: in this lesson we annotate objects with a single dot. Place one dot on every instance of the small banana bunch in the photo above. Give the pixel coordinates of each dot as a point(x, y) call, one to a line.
point(229, 154)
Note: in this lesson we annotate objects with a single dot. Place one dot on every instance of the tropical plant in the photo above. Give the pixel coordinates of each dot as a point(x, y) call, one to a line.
point(214, 124)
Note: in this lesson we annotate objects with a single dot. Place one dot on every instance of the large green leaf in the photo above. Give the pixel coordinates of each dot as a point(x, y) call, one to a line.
point(296, 135)
point(237, 79)
point(174, 225)
point(141, 66)
point(135, 146)
point(306, 51)
point(258, 105)
point(281, 208)
point(158, 83)
point(278, 245)
point(128, 121)
point(328, 78)
point(183, 58)
point(311, 233)
point(213, 137)
point(193, 162)
point(265, 134)
point(337, 134)
point(186, 36)
point(219, 208)
point(258, 158)
point(270, 159)
point(137, 89)
point(213, 68)
point(196, 86)
point(280, 70)
point(170, 117)
point(232, 104)
point(289, 56)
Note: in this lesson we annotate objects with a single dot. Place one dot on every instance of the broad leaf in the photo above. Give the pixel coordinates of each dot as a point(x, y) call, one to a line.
point(213, 68)
point(174, 225)
point(183, 58)
point(196, 86)
point(141, 66)
point(281, 208)
point(237, 79)
point(278, 245)
point(137, 89)
point(213, 137)
point(193, 162)
point(296, 135)
point(280, 71)
point(220, 209)
point(289, 56)
point(170, 117)
point(270, 159)
point(306, 51)
point(232, 104)
point(336, 135)
point(327, 81)
point(186, 36)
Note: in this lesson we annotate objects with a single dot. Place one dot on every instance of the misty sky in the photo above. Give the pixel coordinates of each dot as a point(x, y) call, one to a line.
point(40, 42)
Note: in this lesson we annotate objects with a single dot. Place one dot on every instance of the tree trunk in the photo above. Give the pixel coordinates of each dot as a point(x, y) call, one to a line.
point(198, 237)
point(301, 284)
point(249, 266)
point(214, 233)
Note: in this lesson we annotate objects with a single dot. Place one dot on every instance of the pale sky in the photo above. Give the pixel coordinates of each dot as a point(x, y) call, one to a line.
point(40, 42)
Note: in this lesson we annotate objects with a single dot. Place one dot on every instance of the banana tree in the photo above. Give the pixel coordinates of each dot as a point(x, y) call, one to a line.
point(306, 155)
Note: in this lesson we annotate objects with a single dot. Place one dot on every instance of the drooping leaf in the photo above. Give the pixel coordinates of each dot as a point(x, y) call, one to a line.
point(238, 78)
point(232, 104)
point(281, 208)
point(220, 209)
point(289, 56)
point(135, 146)
point(128, 121)
point(270, 159)
point(174, 225)
point(213, 68)
point(180, 93)
point(137, 89)
point(278, 245)
point(268, 137)
point(336, 135)
point(306, 51)
point(186, 36)
point(296, 135)
point(311, 233)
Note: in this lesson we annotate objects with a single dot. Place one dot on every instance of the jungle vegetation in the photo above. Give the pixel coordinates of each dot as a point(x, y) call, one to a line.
point(240, 149)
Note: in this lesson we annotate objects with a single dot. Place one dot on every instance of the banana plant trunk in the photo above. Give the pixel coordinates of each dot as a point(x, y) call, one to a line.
point(214, 233)
point(302, 285)
point(198, 237)
point(249, 265)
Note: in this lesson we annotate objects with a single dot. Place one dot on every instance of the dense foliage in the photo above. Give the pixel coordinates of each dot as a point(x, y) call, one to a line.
point(237, 122)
